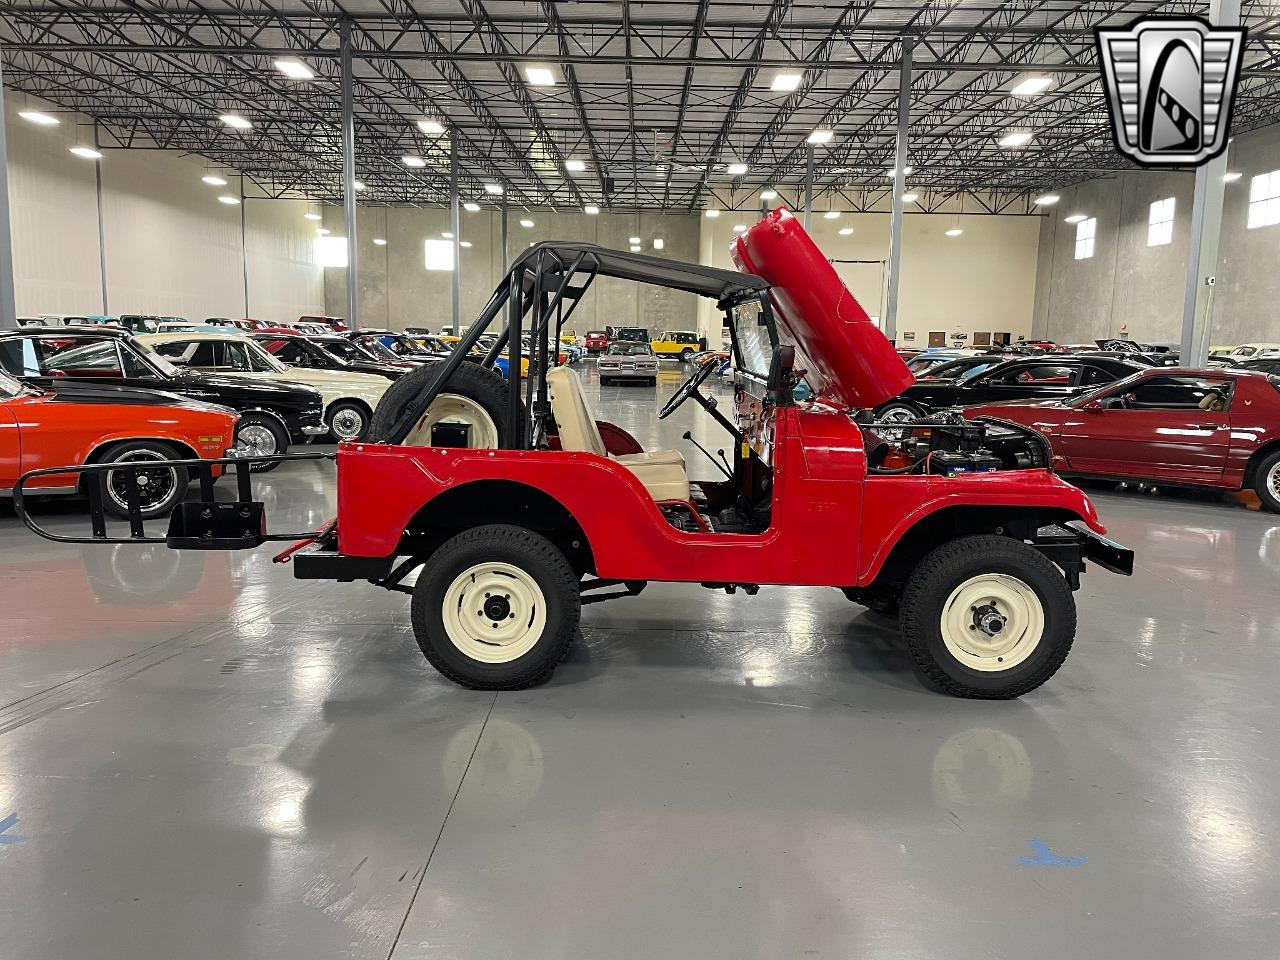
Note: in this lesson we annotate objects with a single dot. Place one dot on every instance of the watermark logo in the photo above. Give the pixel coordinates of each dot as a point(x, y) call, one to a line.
point(1170, 83)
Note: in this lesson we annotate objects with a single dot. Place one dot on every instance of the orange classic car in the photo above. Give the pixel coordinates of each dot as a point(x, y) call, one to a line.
point(81, 424)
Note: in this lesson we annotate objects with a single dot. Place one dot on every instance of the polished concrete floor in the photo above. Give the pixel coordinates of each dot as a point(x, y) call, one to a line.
point(207, 759)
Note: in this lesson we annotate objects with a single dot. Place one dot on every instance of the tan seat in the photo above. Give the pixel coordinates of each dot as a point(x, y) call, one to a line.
point(660, 471)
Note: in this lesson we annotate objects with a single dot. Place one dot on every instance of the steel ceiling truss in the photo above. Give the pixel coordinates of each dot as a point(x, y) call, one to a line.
point(655, 97)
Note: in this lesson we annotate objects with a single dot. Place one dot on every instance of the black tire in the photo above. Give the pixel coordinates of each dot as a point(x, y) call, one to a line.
point(1266, 481)
point(686, 353)
point(604, 381)
point(653, 381)
point(172, 481)
point(954, 564)
point(349, 410)
point(279, 439)
point(484, 387)
point(540, 562)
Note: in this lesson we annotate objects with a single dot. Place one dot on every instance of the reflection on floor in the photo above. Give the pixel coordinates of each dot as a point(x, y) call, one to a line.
point(207, 758)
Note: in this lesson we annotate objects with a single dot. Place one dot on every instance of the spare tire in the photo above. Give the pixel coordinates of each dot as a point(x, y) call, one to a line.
point(474, 396)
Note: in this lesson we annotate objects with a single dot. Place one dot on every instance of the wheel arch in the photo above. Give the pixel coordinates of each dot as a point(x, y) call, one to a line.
point(263, 411)
point(184, 450)
point(1255, 458)
point(483, 502)
point(948, 523)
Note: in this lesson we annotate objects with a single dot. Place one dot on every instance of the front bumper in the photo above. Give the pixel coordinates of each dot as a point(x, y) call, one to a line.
point(619, 373)
point(1072, 543)
point(314, 429)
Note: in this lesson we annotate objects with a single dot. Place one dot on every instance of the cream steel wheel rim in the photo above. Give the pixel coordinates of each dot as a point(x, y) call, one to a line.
point(494, 612)
point(452, 408)
point(992, 622)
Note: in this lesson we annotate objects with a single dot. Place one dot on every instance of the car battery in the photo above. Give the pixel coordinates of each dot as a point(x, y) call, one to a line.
point(952, 462)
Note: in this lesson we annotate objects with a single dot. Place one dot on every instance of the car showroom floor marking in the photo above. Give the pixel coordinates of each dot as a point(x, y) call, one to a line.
point(1047, 858)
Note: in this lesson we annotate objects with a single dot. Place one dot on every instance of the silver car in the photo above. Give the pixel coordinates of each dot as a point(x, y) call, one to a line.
point(627, 360)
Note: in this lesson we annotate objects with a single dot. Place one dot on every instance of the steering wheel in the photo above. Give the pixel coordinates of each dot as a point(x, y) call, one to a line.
point(687, 390)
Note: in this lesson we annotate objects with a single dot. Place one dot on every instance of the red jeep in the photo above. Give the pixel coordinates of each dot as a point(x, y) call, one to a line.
point(514, 507)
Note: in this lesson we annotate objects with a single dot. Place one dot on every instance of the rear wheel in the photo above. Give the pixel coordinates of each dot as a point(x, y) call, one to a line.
point(260, 435)
point(1266, 482)
point(474, 398)
point(987, 617)
point(159, 487)
point(496, 608)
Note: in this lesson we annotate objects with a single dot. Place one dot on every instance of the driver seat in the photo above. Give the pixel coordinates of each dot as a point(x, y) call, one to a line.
point(661, 472)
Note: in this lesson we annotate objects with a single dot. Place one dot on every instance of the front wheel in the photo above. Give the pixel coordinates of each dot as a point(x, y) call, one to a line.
point(1267, 482)
point(158, 487)
point(496, 608)
point(260, 435)
point(348, 421)
point(987, 617)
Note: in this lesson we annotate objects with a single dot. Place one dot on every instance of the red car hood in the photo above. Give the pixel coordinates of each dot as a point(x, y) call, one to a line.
point(849, 360)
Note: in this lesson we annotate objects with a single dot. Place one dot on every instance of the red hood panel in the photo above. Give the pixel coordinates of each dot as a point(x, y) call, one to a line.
point(850, 360)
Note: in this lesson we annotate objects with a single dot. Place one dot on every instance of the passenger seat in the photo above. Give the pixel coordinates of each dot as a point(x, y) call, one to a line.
point(662, 472)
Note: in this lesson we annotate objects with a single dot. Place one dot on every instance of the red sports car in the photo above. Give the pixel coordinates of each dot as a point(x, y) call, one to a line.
point(1214, 428)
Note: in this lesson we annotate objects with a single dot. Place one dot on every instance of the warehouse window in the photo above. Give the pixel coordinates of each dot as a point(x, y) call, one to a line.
point(1160, 223)
point(1085, 231)
point(1264, 199)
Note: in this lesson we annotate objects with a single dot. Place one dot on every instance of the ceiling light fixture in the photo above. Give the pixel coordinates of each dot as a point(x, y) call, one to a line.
point(465, 243)
point(633, 240)
point(736, 169)
point(294, 69)
point(1231, 176)
point(1016, 138)
point(447, 235)
point(235, 121)
point(1046, 200)
point(635, 248)
point(213, 180)
point(819, 136)
point(769, 194)
point(1076, 218)
point(893, 171)
point(1031, 86)
point(739, 228)
point(574, 166)
point(493, 188)
point(910, 197)
point(540, 76)
point(412, 161)
point(526, 223)
point(591, 209)
point(785, 82)
point(471, 207)
point(231, 201)
point(432, 128)
point(831, 215)
point(954, 232)
point(323, 231)
point(712, 213)
point(87, 152)
point(359, 185)
point(658, 243)
point(845, 231)
point(379, 242)
point(38, 118)
point(312, 216)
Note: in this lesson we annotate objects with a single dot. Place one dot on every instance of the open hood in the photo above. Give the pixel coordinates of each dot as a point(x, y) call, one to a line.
point(851, 361)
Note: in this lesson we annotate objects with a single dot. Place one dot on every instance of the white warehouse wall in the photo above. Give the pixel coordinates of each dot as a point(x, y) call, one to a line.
point(171, 247)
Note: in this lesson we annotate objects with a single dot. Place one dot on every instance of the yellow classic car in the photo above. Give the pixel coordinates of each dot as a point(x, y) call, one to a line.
point(678, 344)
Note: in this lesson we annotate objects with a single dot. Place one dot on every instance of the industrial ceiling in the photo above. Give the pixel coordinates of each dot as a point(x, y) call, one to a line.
point(649, 102)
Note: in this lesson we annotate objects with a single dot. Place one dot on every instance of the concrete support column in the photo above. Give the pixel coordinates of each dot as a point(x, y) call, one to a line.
point(349, 175)
point(8, 300)
point(1206, 231)
point(890, 325)
point(455, 225)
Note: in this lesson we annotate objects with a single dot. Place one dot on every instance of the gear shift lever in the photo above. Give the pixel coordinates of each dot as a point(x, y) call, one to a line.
point(724, 467)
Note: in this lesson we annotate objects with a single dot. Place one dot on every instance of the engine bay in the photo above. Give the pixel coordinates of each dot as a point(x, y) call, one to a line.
point(947, 444)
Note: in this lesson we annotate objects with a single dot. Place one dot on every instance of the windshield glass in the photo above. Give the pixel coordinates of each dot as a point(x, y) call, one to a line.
point(1117, 385)
point(750, 332)
point(156, 360)
point(262, 361)
point(623, 349)
point(344, 350)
